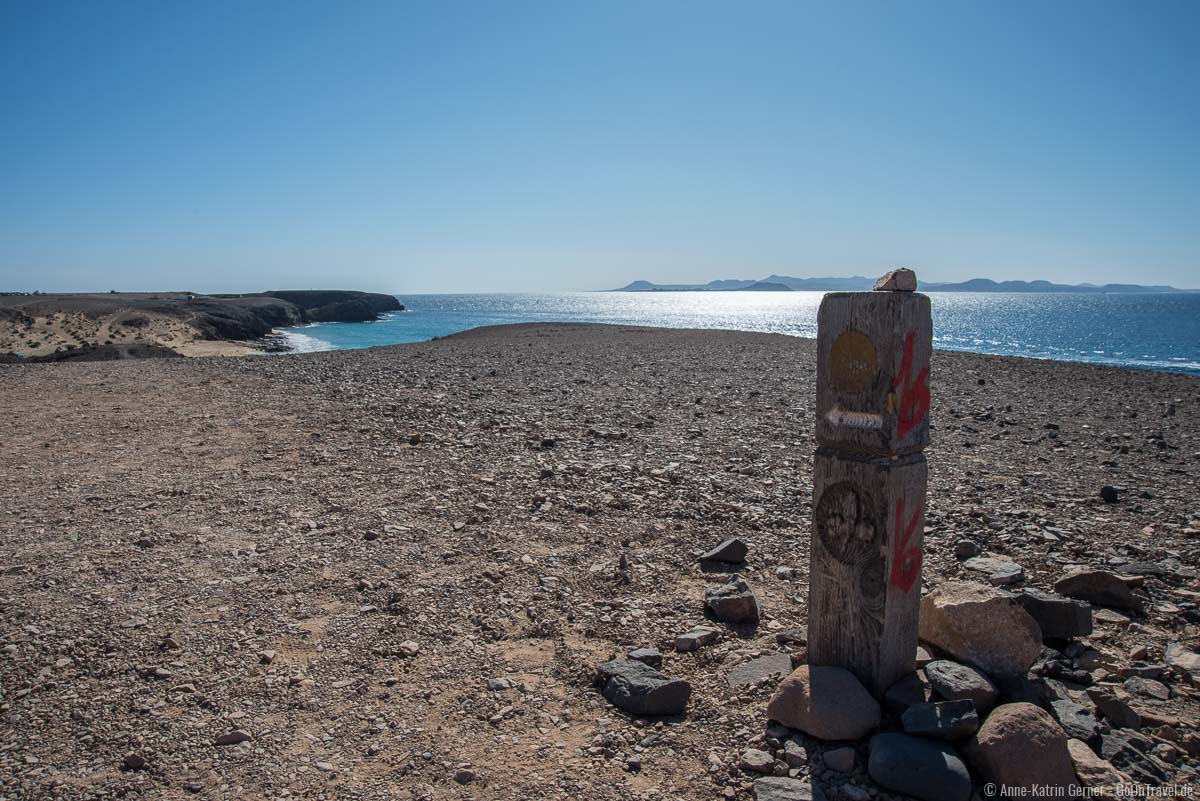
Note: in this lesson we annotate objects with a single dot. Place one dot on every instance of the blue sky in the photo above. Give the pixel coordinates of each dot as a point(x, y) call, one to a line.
point(579, 145)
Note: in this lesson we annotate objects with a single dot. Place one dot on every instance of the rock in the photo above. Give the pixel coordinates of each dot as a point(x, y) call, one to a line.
point(945, 720)
point(1092, 771)
point(733, 602)
point(731, 551)
point(325, 767)
point(966, 549)
point(1109, 494)
point(1119, 714)
point(756, 670)
point(954, 682)
point(840, 759)
point(999, 571)
point(794, 754)
point(266, 657)
point(757, 761)
point(499, 684)
point(639, 689)
point(981, 626)
point(1078, 721)
point(1130, 752)
point(828, 703)
point(1147, 687)
point(1020, 745)
point(779, 788)
point(792, 636)
point(650, 656)
point(232, 737)
point(917, 767)
point(134, 762)
point(906, 691)
point(1186, 660)
point(898, 280)
point(1058, 617)
point(409, 649)
point(694, 639)
point(464, 776)
point(1098, 587)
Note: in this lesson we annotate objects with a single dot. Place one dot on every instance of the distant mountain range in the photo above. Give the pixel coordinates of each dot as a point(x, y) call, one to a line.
point(857, 283)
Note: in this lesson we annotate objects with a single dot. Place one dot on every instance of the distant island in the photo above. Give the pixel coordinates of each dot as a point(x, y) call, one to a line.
point(858, 283)
point(128, 325)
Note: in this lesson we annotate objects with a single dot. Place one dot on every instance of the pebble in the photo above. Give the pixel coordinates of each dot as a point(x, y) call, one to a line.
point(757, 761)
point(999, 571)
point(232, 737)
point(696, 638)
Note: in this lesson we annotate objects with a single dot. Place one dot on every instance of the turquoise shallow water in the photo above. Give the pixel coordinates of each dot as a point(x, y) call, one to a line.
point(1150, 331)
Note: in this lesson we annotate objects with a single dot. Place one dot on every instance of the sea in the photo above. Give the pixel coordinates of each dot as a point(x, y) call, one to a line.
point(1151, 331)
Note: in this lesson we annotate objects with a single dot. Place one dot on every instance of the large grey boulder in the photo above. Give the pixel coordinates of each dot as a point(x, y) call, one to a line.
point(828, 703)
point(639, 689)
point(981, 626)
point(1020, 745)
point(921, 768)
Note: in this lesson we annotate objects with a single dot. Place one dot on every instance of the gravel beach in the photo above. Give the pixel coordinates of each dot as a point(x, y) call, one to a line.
point(392, 573)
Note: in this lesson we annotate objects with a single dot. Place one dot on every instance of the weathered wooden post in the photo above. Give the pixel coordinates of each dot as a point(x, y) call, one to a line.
point(869, 480)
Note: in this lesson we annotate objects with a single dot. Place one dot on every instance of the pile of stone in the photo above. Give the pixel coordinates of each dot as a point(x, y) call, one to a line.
point(1006, 692)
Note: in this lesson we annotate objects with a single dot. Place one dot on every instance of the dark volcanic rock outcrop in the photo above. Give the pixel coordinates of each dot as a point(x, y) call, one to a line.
point(332, 305)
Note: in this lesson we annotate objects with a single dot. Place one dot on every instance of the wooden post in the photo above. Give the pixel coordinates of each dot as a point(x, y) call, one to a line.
point(869, 481)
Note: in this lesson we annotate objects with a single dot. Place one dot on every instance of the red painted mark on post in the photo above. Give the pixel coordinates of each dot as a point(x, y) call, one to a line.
point(914, 391)
point(906, 561)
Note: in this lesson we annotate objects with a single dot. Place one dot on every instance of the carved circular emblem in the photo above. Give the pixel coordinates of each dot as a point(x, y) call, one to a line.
point(853, 361)
point(845, 524)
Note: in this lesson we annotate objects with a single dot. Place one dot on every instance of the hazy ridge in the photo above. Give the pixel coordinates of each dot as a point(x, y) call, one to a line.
point(858, 283)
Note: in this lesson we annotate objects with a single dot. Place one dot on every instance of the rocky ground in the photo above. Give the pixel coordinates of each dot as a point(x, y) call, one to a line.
point(393, 573)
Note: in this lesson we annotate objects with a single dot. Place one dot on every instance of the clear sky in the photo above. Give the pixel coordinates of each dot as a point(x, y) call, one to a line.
point(561, 145)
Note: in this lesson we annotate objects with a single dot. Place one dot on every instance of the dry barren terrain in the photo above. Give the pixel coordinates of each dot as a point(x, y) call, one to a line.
point(334, 553)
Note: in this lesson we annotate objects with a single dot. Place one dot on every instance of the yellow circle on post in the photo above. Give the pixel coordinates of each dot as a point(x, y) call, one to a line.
point(853, 361)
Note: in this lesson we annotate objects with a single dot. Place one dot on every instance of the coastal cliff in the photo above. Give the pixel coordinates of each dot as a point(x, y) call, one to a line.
point(106, 325)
